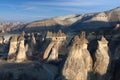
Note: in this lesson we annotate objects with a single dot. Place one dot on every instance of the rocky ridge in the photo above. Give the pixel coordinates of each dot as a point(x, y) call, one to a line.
point(77, 21)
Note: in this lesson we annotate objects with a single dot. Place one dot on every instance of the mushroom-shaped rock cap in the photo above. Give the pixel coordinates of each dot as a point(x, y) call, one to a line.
point(83, 37)
point(14, 38)
point(60, 33)
point(21, 38)
point(32, 34)
point(103, 40)
point(76, 40)
point(23, 33)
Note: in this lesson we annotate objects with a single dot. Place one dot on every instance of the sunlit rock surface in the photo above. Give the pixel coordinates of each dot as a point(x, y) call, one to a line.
point(79, 61)
point(102, 60)
point(13, 48)
point(21, 55)
point(52, 50)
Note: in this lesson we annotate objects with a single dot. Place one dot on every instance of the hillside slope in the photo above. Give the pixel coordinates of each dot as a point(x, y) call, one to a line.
point(105, 19)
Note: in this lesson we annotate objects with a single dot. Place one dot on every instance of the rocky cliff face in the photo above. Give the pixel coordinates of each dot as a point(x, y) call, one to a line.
point(79, 62)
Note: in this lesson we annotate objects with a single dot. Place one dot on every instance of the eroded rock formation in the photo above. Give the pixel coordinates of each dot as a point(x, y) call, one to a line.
point(21, 56)
point(33, 41)
point(17, 50)
point(1, 40)
point(48, 49)
point(13, 48)
point(52, 50)
point(102, 60)
point(60, 36)
point(79, 62)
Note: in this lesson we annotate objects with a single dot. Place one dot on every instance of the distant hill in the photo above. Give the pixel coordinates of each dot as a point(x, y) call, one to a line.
point(50, 24)
point(98, 20)
point(106, 19)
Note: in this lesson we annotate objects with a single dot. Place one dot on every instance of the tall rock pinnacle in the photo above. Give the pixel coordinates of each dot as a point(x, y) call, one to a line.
point(79, 61)
point(51, 52)
point(13, 48)
point(101, 60)
point(21, 56)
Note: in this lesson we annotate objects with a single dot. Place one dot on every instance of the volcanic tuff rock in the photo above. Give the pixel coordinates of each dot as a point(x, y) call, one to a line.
point(32, 45)
point(33, 40)
point(13, 48)
point(47, 51)
point(59, 36)
point(102, 60)
point(79, 62)
point(86, 55)
point(1, 40)
point(21, 56)
point(52, 50)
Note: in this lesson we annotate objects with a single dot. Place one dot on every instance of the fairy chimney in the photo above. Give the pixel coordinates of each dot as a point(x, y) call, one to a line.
point(21, 56)
point(13, 48)
point(101, 60)
point(79, 62)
